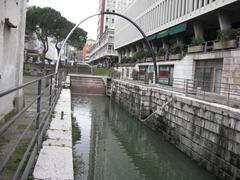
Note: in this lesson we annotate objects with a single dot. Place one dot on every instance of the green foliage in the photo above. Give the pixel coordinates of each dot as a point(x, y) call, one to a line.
point(126, 60)
point(142, 54)
point(7, 117)
point(197, 41)
point(228, 34)
point(3, 141)
point(161, 52)
point(47, 22)
point(102, 71)
point(176, 48)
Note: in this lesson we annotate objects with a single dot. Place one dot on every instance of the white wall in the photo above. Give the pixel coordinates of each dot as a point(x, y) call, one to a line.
point(11, 49)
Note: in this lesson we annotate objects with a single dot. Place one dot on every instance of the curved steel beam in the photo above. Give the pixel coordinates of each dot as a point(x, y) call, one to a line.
point(124, 17)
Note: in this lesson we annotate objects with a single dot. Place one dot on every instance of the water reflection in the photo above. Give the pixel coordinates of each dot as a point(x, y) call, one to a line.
point(116, 146)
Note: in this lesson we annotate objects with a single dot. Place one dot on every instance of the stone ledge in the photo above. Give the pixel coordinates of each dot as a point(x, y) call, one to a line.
point(54, 163)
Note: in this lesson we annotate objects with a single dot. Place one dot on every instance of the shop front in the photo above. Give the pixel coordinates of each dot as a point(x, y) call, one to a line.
point(166, 74)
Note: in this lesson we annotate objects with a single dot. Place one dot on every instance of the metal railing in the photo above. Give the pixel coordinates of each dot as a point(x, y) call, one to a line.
point(48, 91)
point(223, 93)
point(217, 92)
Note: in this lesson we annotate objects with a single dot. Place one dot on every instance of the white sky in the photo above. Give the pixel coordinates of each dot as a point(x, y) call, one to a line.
point(75, 11)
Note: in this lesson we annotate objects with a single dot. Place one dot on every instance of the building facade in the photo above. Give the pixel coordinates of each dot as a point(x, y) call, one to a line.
point(187, 37)
point(86, 49)
point(103, 50)
point(12, 33)
point(33, 49)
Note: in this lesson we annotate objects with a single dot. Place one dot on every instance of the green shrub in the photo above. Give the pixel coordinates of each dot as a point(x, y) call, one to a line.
point(128, 60)
point(161, 52)
point(228, 34)
point(124, 60)
point(197, 41)
point(141, 54)
point(176, 48)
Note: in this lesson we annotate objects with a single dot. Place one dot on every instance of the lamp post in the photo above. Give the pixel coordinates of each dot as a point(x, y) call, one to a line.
point(129, 20)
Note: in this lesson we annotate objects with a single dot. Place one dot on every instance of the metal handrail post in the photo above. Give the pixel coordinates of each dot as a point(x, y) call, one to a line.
point(55, 84)
point(50, 90)
point(38, 112)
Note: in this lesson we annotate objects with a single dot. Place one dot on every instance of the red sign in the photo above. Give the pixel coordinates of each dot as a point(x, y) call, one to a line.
point(142, 72)
point(164, 73)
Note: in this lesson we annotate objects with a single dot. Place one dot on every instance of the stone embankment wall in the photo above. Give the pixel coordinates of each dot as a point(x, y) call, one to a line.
point(208, 133)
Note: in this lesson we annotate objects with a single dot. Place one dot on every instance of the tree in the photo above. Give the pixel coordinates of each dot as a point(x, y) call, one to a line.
point(47, 22)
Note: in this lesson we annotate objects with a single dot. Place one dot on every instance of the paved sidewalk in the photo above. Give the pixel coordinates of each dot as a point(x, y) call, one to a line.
point(55, 160)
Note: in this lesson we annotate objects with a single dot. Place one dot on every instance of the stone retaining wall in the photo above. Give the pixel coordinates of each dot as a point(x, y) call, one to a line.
point(208, 133)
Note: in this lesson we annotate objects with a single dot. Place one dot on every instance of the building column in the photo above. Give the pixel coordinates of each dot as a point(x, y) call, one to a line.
point(165, 43)
point(155, 48)
point(125, 52)
point(132, 51)
point(145, 46)
point(138, 47)
point(224, 21)
point(120, 55)
point(198, 30)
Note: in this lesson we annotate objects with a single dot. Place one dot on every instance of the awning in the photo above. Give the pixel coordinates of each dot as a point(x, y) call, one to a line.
point(152, 37)
point(171, 31)
point(162, 34)
point(178, 29)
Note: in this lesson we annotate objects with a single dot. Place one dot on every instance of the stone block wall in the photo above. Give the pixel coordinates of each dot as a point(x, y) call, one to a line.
point(208, 133)
point(11, 53)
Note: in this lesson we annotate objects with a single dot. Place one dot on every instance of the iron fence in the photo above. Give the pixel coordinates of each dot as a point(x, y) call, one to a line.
point(217, 92)
point(41, 106)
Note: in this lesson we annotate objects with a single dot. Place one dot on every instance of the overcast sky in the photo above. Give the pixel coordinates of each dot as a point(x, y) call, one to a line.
point(75, 11)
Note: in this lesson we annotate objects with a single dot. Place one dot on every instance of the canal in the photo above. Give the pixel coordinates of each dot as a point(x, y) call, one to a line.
point(115, 146)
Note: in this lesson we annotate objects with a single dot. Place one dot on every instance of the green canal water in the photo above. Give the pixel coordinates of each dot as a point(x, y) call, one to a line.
point(115, 146)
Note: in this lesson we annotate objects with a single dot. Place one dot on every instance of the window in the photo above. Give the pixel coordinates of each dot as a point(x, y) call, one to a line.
point(110, 47)
point(166, 74)
point(112, 20)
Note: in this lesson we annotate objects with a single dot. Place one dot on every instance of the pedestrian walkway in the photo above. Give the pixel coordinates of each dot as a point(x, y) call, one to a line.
point(55, 160)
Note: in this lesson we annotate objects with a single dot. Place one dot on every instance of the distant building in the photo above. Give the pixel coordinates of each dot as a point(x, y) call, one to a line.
point(33, 49)
point(12, 33)
point(103, 50)
point(86, 49)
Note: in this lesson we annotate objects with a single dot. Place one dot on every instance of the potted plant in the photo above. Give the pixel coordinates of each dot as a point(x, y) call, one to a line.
point(176, 51)
point(226, 39)
point(148, 56)
point(196, 45)
point(161, 54)
point(140, 55)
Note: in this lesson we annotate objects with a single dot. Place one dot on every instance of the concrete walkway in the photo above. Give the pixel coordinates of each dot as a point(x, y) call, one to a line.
point(55, 160)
